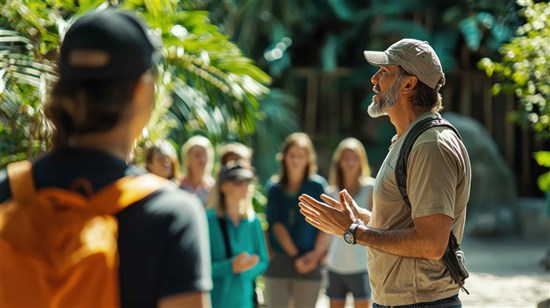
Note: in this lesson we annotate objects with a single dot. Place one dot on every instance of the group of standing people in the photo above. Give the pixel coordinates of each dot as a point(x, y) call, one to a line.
point(101, 102)
point(238, 251)
point(297, 251)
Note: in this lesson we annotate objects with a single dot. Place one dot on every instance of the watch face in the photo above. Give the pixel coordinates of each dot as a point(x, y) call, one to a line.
point(349, 238)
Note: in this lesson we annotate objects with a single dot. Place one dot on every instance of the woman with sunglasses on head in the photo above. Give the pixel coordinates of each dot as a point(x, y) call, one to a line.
point(237, 243)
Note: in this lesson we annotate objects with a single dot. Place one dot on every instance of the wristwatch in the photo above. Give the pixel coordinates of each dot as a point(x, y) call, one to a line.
point(349, 236)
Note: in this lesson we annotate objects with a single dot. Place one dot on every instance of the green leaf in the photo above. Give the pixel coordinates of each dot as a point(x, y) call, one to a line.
point(542, 158)
point(543, 182)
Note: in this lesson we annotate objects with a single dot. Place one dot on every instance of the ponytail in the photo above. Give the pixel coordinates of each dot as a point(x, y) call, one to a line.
point(77, 108)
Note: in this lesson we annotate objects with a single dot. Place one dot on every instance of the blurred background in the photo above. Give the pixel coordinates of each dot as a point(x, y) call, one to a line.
point(256, 71)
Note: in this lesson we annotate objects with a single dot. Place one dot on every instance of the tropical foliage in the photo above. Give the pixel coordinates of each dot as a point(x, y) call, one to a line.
point(329, 34)
point(325, 35)
point(524, 68)
point(206, 84)
point(209, 86)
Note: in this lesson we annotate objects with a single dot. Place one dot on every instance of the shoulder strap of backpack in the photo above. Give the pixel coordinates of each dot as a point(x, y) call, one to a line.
point(223, 227)
point(109, 200)
point(21, 182)
point(414, 133)
point(401, 176)
point(127, 191)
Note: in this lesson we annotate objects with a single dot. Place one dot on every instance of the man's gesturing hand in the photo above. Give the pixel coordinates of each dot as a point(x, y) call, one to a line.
point(334, 217)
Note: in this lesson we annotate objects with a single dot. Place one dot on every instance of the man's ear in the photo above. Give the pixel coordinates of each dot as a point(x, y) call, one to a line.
point(409, 84)
point(142, 90)
point(144, 80)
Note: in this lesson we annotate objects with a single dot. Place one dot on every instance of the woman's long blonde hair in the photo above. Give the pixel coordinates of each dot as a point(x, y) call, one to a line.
point(197, 141)
point(336, 177)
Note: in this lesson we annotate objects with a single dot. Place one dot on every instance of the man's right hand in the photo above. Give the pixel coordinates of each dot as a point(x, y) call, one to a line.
point(244, 261)
point(345, 197)
point(332, 219)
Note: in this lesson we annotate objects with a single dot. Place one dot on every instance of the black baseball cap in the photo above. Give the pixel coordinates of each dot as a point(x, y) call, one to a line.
point(110, 44)
point(235, 171)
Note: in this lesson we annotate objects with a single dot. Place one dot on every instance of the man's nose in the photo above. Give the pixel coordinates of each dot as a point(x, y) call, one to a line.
point(374, 78)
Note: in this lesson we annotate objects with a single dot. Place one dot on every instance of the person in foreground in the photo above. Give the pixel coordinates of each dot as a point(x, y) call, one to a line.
point(405, 244)
point(100, 104)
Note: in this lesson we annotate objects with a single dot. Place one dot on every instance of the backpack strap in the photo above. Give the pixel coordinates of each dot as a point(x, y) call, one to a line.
point(401, 178)
point(414, 133)
point(126, 191)
point(21, 182)
point(223, 227)
point(109, 200)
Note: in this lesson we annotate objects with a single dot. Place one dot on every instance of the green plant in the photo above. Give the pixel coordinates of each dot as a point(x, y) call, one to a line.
point(524, 68)
point(205, 83)
point(543, 159)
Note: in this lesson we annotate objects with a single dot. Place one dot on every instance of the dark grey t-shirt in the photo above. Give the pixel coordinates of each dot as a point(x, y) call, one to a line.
point(162, 240)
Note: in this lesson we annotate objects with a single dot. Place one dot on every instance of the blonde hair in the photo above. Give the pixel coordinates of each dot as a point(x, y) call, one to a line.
point(201, 142)
point(336, 174)
point(238, 150)
point(302, 141)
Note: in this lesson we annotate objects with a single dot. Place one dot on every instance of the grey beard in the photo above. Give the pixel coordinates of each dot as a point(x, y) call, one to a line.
point(376, 110)
point(385, 100)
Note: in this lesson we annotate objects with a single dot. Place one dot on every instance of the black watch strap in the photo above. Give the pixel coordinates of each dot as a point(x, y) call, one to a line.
point(349, 236)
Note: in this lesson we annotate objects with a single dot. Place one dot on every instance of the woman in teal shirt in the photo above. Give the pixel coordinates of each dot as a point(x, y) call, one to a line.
point(239, 255)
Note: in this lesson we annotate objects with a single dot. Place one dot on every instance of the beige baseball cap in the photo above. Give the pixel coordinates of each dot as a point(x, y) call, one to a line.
point(416, 57)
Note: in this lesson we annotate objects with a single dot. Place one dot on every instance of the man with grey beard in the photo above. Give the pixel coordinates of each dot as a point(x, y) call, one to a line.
point(406, 243)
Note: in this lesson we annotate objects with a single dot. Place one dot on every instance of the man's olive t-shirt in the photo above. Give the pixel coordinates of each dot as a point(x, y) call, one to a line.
point(162, 241)
point(438, 182)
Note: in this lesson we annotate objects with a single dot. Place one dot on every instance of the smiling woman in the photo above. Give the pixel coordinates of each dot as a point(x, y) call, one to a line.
point(161, 159)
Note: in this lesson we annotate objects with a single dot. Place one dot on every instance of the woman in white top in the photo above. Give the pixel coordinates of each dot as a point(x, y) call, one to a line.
point(347, 264)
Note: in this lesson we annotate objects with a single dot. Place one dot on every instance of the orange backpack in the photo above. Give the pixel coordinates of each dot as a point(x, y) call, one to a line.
point(59, 248)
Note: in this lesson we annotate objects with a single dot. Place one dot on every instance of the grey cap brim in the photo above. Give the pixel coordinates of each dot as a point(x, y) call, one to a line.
point(377, 58)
